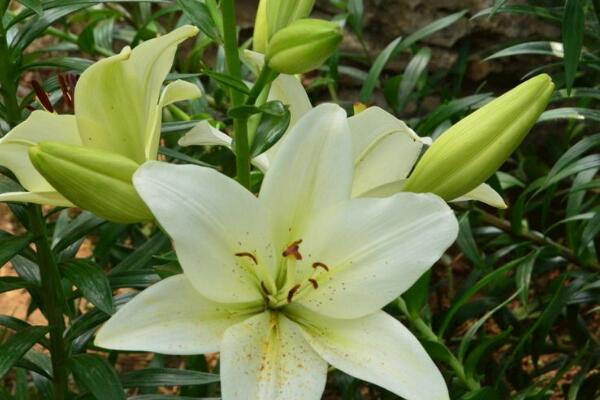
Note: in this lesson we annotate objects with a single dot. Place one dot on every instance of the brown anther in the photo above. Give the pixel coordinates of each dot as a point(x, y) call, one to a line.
point(42, 96)
point(292, 292)
point(264, 288)
point(320, 265)
point(314, 282)
point(64, 87)
point(293, 250)
point(249, 255)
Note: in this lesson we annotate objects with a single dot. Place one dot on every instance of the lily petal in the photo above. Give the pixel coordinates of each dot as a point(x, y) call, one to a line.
point(117, 98)
point(215, 219)
point(14, 148)
point(385, 149)
point(375, 249)
point(311, 171)
point(48, 198)
point(204, 134)
point(379, 349)
point(485, 194)
point(266, 357)
point(170, 317)
point(175, 91)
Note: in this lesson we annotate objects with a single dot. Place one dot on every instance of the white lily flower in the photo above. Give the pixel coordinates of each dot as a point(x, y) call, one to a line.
point(293, 280)
point(385, 149)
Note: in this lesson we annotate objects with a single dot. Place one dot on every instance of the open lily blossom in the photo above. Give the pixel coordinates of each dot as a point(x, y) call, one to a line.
point(289, 282)
point(115, 128)
point(385, 149)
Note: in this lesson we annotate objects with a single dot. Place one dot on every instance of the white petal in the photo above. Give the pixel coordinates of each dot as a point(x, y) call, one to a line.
point(118, 97)
point(210, 218)
point(485, 194)
point(266, 357)
point(311, 171)
point(385, 149)
point(375, 249)
point(39, 126)
point(47, 198)
point(385, 190)
point(175, 91)
point(170, 317)
point(204, 134)
point(379, 349)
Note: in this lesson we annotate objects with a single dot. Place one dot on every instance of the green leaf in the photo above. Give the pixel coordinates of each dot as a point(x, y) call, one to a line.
point(141, 257)
point(274, 122)
point(484, 347)
point(472, 290)
point(467, 243)
point(33, 5)
point(10, 246)
point(437, 351)
point(228, 81)
point(8, 283)
point(590, 232)
point(177, 155)
point(468, 337)
point(200, 16)
point(523, 276)
point(417, 295)
point(573, 27)
point(92, 282)
point(570, 113)
point(134, 279)
point(83, 224)
point(18, 345)
point(95, 373)
point(154, 377)
point(544, 48)
point(398, 45)
point(451, 109)
point(412, 73)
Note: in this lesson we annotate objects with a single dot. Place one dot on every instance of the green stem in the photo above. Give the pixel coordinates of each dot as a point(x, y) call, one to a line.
point(8, 80)
point(53, 301)
point(428, 333)
point(266, 76)
point(240, 125)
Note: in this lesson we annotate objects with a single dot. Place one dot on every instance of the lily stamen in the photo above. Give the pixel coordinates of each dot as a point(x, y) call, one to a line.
point(293, 250)
point(292, 292)
point(320, 265)
point(249, 255)
point(314, 282)
point(42, 96)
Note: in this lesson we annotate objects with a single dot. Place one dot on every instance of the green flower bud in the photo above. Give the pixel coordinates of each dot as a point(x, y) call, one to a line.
point(273, 15)
point(468, 153)
point(93, 179)
point(303, 46)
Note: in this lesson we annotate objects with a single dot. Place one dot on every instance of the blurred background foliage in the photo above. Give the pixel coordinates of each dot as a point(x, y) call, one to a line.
point(512, 311)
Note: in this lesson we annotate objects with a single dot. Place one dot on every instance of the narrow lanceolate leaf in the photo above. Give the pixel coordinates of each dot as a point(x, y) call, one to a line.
point(411, 75)
point(11, 246)
point(8, 283)
point(34, 5)
point(200, 16)
point(573, 27)
point(12, 351)
point(154, 377)
point(95, 373)
point(92, 282)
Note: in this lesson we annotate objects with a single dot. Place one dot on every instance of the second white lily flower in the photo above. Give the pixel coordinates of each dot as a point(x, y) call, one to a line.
point(293, 280)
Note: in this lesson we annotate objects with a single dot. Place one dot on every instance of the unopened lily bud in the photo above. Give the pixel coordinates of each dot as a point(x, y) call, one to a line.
point(273, 15)
point(303, 46)
point(93, 179)
point(473, 149)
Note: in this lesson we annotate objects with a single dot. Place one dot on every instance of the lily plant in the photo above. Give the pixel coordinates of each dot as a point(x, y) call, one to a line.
point(66, 160)
point(285, 283)
point(385, 149)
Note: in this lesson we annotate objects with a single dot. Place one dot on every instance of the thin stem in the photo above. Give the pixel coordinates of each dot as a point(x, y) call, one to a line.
point(240, 125)
point(52, 293)
point(266, 76)
point(426, 331)
point(8, 80)
point(534, 237)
